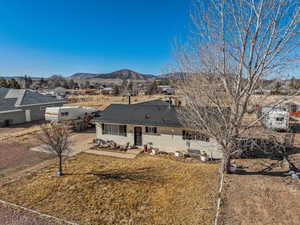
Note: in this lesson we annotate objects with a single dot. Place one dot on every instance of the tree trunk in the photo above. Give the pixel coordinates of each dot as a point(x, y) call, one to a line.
point(226, 164)
point(60, 165)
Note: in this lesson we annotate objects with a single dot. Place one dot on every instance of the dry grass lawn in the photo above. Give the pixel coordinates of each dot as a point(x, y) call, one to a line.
point(102, 101)
point(104, 190)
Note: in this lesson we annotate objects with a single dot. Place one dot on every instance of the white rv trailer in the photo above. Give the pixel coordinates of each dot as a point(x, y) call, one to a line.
point(77, 116)
point(275, 117)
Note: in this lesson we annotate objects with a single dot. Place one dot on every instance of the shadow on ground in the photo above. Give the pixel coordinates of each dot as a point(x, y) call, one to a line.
point(146, 174)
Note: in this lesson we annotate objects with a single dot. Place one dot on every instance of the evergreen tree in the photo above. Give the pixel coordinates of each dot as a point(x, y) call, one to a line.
point(116, 90)
point(130, 87)
point(76, 86)
point(25, 81)
point(71, 84)
point(13, 84)
point(293, 83)
point(152, 89)
point(3, 83)
point(64, 84)
point(276, 87)
point(87, 84)
point(30, 82)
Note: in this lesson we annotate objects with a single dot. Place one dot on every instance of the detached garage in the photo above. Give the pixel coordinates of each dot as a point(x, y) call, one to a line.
point(20, 106)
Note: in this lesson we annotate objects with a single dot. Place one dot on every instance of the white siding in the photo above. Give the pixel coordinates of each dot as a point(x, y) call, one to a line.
point(122, 140)
point(166, 142)
point(172, 143)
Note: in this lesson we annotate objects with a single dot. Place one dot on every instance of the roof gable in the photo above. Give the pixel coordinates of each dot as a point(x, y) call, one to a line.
point(11, 99)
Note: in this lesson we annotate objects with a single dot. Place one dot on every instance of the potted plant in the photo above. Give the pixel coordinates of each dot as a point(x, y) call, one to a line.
point(233, 166)
point(178, 154)
point(204, 157)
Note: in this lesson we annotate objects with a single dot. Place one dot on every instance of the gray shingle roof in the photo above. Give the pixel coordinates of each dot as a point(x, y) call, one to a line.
point(6, 103)
point(11, 99)
point(141, 114)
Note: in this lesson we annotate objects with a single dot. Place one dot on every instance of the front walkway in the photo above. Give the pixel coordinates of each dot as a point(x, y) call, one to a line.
point(79, 143)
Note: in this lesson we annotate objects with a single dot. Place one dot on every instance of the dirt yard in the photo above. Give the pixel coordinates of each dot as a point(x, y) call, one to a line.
point(253, 198)
point(102, 101)
point(12, 132)
point(105, 190)
point(15, 154)
point(16, 157)
point(18, 128)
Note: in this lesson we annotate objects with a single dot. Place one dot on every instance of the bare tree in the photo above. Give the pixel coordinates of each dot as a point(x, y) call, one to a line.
point(56, 138)
point(235, 46)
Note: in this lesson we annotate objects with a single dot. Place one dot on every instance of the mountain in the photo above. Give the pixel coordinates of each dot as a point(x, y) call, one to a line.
point(55, 77)
point(120, 74)
point(83, 75)
point(173, 76)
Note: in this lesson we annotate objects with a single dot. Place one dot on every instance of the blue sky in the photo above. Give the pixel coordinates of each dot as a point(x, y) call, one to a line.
point(45, 37)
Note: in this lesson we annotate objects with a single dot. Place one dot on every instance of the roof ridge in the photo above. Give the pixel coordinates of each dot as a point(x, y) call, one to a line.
point(18, 94)
point(20, 97)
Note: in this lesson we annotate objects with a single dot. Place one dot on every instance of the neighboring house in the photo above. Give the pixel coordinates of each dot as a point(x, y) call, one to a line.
point(107, 91)
point(166, 89)
point(169, 91)
point(20, 105)
point(154, 122)
point(60, 91)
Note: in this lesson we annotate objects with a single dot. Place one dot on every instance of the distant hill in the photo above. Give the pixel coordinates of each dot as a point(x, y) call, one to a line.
point(83, 75)
point(54, 77)
point(173, 76)
point(120, 74)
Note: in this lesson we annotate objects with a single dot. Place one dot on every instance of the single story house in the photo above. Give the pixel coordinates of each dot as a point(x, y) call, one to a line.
point(166, 89)
point(20, 105)
point(107, 91)
point(154, 122)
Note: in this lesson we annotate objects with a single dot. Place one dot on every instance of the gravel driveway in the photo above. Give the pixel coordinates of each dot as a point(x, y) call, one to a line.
point(11, 216)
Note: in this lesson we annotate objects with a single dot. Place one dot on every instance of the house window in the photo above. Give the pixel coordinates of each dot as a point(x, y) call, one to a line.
point(151, 130)
point(65, 113)
point(192, 135)
point(120, 130)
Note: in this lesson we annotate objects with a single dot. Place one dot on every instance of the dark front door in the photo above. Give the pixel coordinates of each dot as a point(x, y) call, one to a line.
point(138, 136)
point(6, 123)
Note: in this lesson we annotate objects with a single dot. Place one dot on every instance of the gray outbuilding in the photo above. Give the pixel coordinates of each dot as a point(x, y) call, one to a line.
point(21, 105)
